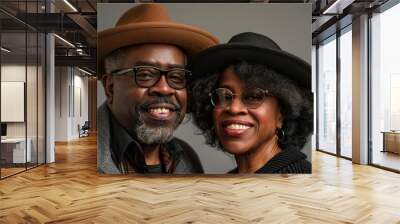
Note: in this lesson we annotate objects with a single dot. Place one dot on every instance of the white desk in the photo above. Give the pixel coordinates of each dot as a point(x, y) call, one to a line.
point(17, 146)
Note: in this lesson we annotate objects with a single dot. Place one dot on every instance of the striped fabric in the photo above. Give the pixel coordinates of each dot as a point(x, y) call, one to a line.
point(287, 161)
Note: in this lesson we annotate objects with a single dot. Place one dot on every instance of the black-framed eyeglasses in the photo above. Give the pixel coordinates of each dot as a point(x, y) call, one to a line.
point(251, 98)
point(147, 76)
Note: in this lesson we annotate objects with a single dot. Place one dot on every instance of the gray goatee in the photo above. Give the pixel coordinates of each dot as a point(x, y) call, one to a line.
point(149, 134)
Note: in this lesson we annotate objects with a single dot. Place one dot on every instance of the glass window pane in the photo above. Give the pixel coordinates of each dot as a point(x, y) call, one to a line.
point(31, 97)
point(327, 96)
point(346, 94)
point(41, 98)
point(23, 77)
point(385, 87)
point(15, 150)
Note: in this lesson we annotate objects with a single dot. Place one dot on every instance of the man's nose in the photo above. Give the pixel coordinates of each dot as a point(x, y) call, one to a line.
point(161, 88)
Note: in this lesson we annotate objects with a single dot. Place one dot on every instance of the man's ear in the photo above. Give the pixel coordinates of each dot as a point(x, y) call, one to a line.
point(108, 83)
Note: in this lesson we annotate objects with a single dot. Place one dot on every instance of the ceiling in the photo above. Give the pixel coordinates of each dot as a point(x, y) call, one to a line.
point(75, 21)
point(77, 25)
point(330, 16)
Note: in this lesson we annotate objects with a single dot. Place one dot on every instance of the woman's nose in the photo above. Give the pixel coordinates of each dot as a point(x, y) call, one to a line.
point(237, 106)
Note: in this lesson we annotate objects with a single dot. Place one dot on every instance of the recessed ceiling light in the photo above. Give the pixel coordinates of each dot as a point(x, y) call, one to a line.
point(70, 5)
point(337, 7)
point(84, 71)
point(65, 41)
point(5, 50)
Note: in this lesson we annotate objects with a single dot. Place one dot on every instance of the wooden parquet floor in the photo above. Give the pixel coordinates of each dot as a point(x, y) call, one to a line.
point(10, 171)
point(70, 191)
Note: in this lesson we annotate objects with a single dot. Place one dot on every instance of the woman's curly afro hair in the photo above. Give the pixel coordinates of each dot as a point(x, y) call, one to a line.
point(295, 103)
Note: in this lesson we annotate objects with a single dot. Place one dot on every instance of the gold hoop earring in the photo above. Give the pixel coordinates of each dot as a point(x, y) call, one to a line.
point(280, 133)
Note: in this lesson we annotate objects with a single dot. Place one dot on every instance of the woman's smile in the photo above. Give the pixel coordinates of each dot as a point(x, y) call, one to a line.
point(236, 128)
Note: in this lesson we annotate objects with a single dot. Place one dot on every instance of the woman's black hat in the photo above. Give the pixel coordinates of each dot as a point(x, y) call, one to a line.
point(252, 48)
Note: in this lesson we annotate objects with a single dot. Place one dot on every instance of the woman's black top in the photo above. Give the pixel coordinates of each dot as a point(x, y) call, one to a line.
point(286, 161)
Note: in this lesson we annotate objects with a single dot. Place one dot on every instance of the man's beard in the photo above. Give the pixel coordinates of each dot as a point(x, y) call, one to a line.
point(151, 134)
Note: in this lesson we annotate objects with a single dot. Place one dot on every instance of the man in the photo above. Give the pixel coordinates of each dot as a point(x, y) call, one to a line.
point(143, 60)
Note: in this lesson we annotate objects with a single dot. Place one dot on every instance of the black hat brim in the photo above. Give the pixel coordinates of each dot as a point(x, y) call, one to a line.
point(221, 56)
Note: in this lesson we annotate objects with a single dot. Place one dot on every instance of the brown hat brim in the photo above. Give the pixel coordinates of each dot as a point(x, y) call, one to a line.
point(191, 39)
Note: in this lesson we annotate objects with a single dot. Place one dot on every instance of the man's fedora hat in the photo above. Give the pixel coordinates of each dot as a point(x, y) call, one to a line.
point(150, 23)
point(252, 48)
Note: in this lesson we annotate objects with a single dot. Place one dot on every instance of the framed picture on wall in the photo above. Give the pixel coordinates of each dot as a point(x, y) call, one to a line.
point(215, 89)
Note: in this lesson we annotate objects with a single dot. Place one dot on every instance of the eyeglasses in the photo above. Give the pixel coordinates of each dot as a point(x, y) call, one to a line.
point(147, 76)
point(252, 98)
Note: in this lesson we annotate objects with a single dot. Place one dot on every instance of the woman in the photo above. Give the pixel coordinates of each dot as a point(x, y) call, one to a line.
point(255, 103)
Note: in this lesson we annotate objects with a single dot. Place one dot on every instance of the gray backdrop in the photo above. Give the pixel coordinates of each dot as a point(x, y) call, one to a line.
point(287, 24)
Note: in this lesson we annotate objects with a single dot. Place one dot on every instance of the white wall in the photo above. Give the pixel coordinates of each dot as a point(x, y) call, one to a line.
point(80, 112)
point(33, 126)
point(71, 93)
point(61, 103)
point(16, 73)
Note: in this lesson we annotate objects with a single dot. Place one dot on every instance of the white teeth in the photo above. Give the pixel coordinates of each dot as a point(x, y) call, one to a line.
point(160, 110)
point(238, 126)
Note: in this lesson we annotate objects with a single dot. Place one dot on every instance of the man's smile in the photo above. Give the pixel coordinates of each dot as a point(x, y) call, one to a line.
point(161, 111)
